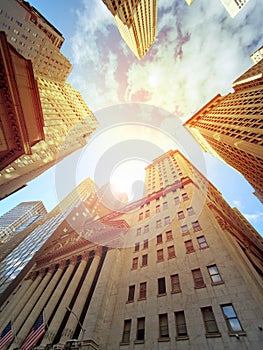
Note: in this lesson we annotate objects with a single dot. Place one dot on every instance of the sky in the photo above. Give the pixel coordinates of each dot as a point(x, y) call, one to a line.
point(141, 104)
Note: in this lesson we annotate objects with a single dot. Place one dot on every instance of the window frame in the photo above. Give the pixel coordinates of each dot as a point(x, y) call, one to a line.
point(198, 278)
point(211, 275)
point(175, 284)
point(163, 327)
point(207, 319)
point(161, 286)
point(126, 330)
point(230, 329)
point(178, 325)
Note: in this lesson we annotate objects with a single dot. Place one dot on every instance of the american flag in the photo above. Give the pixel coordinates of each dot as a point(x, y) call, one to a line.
point(35, 334)
point(6, 335)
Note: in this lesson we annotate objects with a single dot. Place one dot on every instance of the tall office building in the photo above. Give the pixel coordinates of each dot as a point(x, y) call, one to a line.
point(136, 21)
point(232, 126)
point(67, 120)
point(233, 6)
point(16, 219)
point(35, 38)
point(186, 273)
point(257, 55)
point(33, 226)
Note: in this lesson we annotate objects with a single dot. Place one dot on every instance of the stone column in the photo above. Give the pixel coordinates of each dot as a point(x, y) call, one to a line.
point(60, 312)
point(80, 301)
point(10, 310)
point(30, 304)
point(28, 324)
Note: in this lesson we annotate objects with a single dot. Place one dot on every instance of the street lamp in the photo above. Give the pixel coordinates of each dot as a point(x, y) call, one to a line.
point(81, 326)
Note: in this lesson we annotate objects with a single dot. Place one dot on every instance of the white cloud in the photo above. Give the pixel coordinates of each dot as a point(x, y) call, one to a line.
point(254, 217)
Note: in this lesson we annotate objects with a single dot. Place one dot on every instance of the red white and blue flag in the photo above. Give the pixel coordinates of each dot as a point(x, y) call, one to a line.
point(35, 334)
point(6, 335)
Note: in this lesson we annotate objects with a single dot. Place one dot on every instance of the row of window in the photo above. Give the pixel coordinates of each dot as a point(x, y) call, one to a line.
point(175, 286)
point(184, 228)
point(189, 247)
point(209, 321)
point(180, 214)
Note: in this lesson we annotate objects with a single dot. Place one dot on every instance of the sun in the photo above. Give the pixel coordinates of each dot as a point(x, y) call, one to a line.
point(128, 176)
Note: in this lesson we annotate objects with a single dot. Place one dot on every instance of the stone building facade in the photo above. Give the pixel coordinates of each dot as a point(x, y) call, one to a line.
point(177, 269)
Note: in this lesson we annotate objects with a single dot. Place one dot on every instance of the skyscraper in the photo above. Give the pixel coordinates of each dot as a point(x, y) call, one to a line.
point(68, 122)
point(232, 127)
point(18, 218)
point(28, 226)
point(187, 273)
point(35, 38)
point(257, 55)
point(233, 6)
point(136, 21)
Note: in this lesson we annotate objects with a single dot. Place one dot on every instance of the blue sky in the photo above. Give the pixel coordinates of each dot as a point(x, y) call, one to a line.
point(199, 51)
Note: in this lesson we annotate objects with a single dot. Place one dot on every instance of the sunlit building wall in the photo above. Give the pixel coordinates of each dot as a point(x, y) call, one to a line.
point(34, 37)
point(233, 6)
point(232, 126)
point(165, 274)
point(136, 21)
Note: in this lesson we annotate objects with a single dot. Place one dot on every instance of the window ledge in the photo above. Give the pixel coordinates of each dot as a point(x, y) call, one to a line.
point(200, 287)
point(233, 334)
point(122, 343)
point(139, 299)
point(213, 335)
point(129, 301)
point(161, 295)
point(217, 283)
point(138, 341)
point(176, 292)
point(183, 337)
point(164, 339)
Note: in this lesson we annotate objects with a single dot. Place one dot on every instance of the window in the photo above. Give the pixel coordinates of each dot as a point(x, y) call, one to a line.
point(126, 331)
point(134, 263)
point(161, 286)
point(144, 260)
point(176, 200)
point(140, 328)
point(209, 321)
point(202, 242)
point(171, 252)
point(146, 228)
point(167, 220)
point(184, 230)
point(160, 256)
point(165, 205)
point(131, 293)
point(198, 278)
point(214, 274)
point(139, 230)
point(180, 324)
point(175, 284)
point(142, 293)
point(190, 211)
point(231, 318)
point(158, 223)
point(140, 216)
point(169, 235)
point(159, 239)
point(163, 326)
point(158, 209)
point(180, 214)
point(189, 246)
point(137, 247)
point(196, 226)
point(145, 244)
point(147, 213)
point(185, 196)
